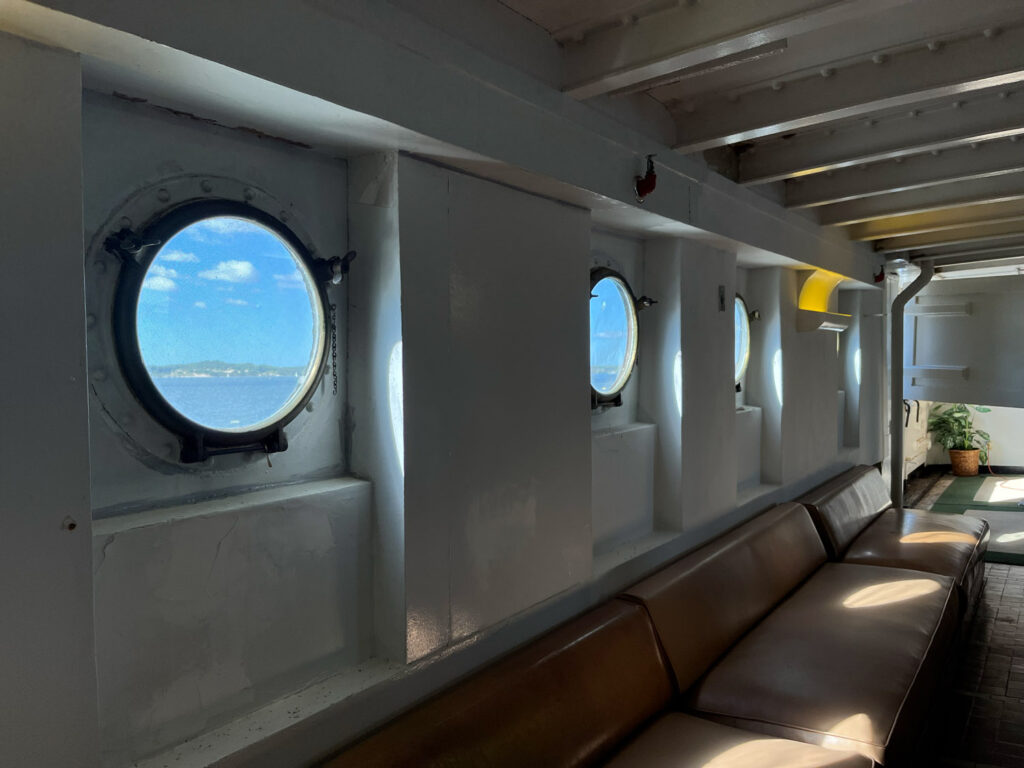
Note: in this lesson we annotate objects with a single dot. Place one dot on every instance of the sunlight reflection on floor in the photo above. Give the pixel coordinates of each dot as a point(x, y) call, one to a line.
point(994, 490)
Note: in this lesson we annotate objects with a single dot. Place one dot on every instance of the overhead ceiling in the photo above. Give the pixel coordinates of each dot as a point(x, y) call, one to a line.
point(897, 120)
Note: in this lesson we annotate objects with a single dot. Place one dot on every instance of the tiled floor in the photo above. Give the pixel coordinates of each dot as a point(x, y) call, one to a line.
point(982, 722)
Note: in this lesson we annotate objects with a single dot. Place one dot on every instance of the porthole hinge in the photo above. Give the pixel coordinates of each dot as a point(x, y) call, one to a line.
point(194, 448)
point(127, 245)
point(333, 271)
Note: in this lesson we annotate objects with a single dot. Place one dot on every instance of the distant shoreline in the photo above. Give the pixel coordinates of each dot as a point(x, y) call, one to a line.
point(216, 369)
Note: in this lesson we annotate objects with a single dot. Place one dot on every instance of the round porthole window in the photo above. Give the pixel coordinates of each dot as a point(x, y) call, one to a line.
point(220, 325)
point(613, 334)
point(742, 347)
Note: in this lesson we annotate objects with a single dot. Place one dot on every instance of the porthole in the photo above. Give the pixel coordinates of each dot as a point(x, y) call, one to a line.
point(613, 335)
point(220, 326)
point(741, 349)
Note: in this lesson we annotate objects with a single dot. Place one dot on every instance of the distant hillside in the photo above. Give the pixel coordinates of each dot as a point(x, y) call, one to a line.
point(220, 369)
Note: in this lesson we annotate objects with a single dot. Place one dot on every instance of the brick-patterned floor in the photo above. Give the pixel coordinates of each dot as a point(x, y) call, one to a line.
point(982, 722)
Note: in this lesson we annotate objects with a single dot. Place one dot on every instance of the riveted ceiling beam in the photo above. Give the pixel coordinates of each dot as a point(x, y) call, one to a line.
point(904, 80)
point(972, 192)
point(934, 221)
point(917, 172)
point(954, 125)
point(685, 35)
point(959, 236)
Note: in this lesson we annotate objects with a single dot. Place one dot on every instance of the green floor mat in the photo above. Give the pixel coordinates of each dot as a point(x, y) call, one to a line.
point(1006, 520)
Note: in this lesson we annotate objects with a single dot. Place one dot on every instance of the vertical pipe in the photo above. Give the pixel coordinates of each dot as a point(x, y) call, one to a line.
point(896, 380)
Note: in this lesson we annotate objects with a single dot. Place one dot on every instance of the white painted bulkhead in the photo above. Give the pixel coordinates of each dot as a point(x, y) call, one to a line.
point(404, 549)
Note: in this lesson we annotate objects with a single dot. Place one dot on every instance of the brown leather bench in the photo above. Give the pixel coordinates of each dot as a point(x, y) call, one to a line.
point(858, 524)
point(594, 690)
point(762, 633)
point(751, 652)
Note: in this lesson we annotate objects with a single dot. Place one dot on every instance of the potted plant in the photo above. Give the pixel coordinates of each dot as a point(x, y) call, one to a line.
point(952, 425)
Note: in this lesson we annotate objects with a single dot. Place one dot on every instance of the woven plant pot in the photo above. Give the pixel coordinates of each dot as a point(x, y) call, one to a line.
point(965, 463)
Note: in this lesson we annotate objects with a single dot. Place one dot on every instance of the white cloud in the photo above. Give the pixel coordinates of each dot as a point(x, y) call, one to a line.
point(159, 283)
point(224, 225)
point(290, 280)
point(200, 304)
point(231, 272)
point(157, 271)
point(179, 256)
point(237, 302)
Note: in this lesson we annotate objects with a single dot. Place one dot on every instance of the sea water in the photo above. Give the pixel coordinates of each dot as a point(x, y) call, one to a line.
point(228, 402)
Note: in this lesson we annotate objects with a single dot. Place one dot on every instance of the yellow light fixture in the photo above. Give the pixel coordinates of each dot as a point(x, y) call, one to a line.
point(818, 301)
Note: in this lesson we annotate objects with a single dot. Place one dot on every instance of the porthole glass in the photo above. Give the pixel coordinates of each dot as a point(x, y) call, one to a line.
point(742, 347)
point(223, 326)
point(613, 333)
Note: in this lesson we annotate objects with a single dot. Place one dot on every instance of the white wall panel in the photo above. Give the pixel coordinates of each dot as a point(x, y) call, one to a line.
point(622, 490)
point(497, 411)
point(47, 665)
point(810, 380)
point(709, 395)
point(974, 356)
point(375, 378)
point(661, 400)
point(206, 611)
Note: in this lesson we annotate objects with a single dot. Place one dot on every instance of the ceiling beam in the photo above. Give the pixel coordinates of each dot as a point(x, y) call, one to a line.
point(952, 267)
point(953, 125)
point(972, 192)
point(991, 247)
point(687, 35)
point(916, 172)
point(903, 80)
point(935, 221)
point(952, 262)
point(702, 70)
point(960, 236)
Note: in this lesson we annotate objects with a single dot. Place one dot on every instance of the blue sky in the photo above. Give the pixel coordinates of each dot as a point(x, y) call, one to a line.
point(609, 337)
point(225, 289)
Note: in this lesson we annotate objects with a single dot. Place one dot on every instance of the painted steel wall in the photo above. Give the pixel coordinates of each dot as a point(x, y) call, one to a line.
point(129, 147)
point(497, 477)
point(47, 668)
point(963, 342)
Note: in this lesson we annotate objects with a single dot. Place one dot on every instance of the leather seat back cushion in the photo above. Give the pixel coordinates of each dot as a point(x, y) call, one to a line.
point(567, 699)
point(706, 601)
point(845, 506)
point(951, 545)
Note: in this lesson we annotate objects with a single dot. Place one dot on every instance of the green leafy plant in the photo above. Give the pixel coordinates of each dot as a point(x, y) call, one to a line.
point(952, 425)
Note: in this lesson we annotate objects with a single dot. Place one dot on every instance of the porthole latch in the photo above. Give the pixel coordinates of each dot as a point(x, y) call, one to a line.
point(645, 302)
point(194, 448)
point(127, 245)
point(333, 271)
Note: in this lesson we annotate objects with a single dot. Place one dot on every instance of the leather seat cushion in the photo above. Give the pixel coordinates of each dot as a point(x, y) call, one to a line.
point(848, 661)
point(845, 506)
point(677, 740)
point(951, 545)
point(706, 601)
